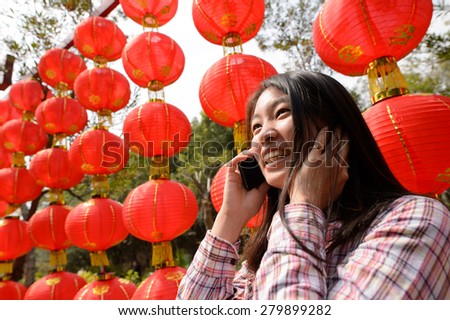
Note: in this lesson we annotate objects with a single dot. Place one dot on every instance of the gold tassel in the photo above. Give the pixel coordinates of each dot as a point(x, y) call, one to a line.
point(99, 259)
point(28, 116)
point(56, 196)
point(231, 44)
point(385, 79)
point(11, 208)
point(162, 255)
point(159, 168)
point(59, 141)
point(100, 186)
point(18, 160)
point(100, 61)
point(104, 118)
point(58, 258)
point(6, 267)
point(62, 89)
point(240, 136)
point(156, 92)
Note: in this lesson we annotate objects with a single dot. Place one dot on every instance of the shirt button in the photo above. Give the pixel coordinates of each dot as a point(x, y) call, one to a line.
point(233, 262)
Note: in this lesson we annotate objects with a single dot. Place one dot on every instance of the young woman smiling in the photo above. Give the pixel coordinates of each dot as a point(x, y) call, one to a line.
point(338, 224)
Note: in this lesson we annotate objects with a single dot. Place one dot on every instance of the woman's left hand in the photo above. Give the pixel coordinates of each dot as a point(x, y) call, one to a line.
point(324, 172)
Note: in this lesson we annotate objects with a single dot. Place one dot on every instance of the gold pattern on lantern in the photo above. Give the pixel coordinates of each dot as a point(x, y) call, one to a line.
point(137, 73)
point(174, 276)
point(402, 35)
point(88, 49)
point(100, 289)
point(50, 73)
point(165, 70)
point(53, 281)
point(444, 177)
point(221, 115)
point(350, 53)
point(229, 20)
point(94, 99)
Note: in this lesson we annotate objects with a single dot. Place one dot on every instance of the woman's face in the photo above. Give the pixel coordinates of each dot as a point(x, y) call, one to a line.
point(272, 128)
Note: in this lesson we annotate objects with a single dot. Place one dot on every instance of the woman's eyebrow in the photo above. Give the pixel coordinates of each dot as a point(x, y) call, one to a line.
point(274, 103)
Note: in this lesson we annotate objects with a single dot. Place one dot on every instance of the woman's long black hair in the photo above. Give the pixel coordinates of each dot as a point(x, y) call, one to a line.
point(319, 99)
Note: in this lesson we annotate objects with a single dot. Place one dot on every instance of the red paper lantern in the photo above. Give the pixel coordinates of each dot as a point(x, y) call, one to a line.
point(46, 228)
point(5, 157)
point(348, 35)
point(159, 210)
point(227, 85)
point(3, 208)
point(216, 20)
point(60, 67)
point(157, 128)
point(98, 152)
point(26, 95)
point(18, 185)
point(413, 134)
point(149, 13)
point(14, 239)
point(23, 136)
point(153, 60)
point(96, 224)
point(59, 285)
point(216, 194)
point(111, 289)
point(61, 115)
point(161, 285)
point(51, 168)
point(8, 111)
point(101, 89)
point(11, 290)
point(99, 39)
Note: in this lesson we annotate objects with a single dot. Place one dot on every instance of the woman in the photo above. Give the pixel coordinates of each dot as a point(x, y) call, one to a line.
point(338, 225)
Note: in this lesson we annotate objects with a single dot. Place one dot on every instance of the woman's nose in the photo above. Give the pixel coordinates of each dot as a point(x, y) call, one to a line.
point(268, 135)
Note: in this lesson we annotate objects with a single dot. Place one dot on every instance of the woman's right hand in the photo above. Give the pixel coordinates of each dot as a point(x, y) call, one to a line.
point(239, 204)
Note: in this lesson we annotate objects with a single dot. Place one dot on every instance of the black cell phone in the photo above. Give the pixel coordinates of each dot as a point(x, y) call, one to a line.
point(251, 173)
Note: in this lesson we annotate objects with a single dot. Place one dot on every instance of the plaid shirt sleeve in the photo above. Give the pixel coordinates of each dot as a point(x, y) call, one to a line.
point(404, 255)
point(212, 272)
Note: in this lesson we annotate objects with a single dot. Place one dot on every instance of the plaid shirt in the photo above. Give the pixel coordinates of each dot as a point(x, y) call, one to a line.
point(405, 254)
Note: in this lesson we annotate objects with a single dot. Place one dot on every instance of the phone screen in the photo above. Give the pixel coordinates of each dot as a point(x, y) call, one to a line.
point(251, 173)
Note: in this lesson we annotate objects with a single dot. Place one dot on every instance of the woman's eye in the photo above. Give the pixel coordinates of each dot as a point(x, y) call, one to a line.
point(255, 128)
point(282, 111)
